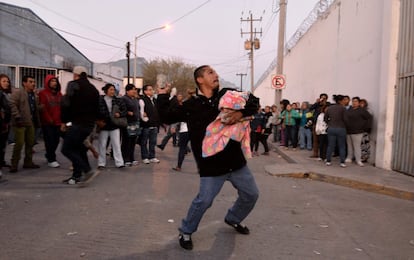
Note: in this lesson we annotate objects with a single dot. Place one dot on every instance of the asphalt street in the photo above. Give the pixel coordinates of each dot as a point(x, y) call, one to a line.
point(134, 213)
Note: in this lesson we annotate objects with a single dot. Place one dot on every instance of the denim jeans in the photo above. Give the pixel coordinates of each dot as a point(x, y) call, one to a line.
point(51, 137)
point(305, 138)
point(148, 142)
point(241, 179)
point(75, 150)
point(336, 135)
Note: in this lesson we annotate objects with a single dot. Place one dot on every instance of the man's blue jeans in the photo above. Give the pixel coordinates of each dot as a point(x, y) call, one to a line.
point(241, 179)
point(148, 142)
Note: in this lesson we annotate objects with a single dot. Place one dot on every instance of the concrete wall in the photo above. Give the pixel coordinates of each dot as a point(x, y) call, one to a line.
point(27, 40)
point(351, 50)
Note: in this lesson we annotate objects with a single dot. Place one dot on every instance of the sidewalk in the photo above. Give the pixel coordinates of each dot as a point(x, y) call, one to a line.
point(369, 178)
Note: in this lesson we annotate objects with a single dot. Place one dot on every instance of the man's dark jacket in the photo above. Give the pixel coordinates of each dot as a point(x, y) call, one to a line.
point(80, 105)
point(152, 113)
point(199, 111)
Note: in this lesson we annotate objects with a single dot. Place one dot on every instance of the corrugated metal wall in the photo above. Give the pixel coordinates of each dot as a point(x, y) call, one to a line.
point(403, 149)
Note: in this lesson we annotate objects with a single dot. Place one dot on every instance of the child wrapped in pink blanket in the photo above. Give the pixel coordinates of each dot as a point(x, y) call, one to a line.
point(219, 134)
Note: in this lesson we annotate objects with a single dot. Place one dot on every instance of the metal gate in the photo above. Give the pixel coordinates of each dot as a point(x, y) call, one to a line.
point(16, 73)
point(403, 148)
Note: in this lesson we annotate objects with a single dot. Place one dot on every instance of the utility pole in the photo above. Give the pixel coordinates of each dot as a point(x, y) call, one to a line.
point(280, 46)
point(128, 47)
point(253, 43)
point(241, 79)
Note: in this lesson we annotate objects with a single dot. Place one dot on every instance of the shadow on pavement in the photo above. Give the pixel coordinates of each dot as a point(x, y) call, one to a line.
point(221, 249)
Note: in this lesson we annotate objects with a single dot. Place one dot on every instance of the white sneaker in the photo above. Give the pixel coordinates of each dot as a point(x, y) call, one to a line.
point(54, 164)
point(128, 164)
point(146, 161)
point(360, 164)
point(72, 182)
point(328, 163)
point(134, 163)
point(154, 160)
point(348, 160)
point(343, 165)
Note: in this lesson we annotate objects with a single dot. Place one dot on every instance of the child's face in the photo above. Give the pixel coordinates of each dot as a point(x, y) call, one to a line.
point(226, 109)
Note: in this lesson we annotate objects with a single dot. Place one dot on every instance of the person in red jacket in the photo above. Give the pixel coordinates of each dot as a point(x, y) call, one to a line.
point(50, 100)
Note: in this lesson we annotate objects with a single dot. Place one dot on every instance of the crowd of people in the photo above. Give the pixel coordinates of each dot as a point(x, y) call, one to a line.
point(79, 117)
point(119, 123)
point(339, 129)
point(224, 127)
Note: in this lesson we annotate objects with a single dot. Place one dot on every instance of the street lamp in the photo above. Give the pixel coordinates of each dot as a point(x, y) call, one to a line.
point(135, 41)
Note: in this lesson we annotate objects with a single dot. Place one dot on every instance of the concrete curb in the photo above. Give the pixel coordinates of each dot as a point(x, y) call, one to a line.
point(345, 182)
point(283, 155)
point(374, 188)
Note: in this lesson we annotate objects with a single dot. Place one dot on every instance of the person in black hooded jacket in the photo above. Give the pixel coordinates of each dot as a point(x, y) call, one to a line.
point(229, 164)
point(80, 106)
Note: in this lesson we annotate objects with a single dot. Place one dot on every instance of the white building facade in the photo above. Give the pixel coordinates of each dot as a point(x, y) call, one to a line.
point(350, 49)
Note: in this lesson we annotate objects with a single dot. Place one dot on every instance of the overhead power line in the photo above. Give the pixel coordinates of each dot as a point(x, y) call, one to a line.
point(74, 21)
point(190, 12)
point(60, 30)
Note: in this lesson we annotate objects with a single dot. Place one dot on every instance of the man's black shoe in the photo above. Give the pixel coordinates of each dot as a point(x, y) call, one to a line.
point(185, 241)
point(161, 147)
point(239, 228)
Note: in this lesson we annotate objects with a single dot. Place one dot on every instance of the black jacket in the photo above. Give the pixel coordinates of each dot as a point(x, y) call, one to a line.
point(80, 103)
point(357, 121)
point(152, 113)
point(199, 112)
point(5, 110)
point(105, 114)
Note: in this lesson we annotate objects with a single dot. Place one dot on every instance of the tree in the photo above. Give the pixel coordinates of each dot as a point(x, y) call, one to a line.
point(178, 73)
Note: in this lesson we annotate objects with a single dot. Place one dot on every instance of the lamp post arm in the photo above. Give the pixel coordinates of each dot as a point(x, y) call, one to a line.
point(135, 46)
point(150, 31)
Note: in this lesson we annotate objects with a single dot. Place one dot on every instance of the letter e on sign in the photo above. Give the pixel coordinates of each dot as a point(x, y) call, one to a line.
point(278, 82)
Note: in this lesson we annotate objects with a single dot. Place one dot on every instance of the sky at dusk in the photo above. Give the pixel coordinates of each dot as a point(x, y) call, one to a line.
point(201, 32)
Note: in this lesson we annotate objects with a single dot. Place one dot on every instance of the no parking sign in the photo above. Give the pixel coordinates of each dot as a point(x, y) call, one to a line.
point(278, 82)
